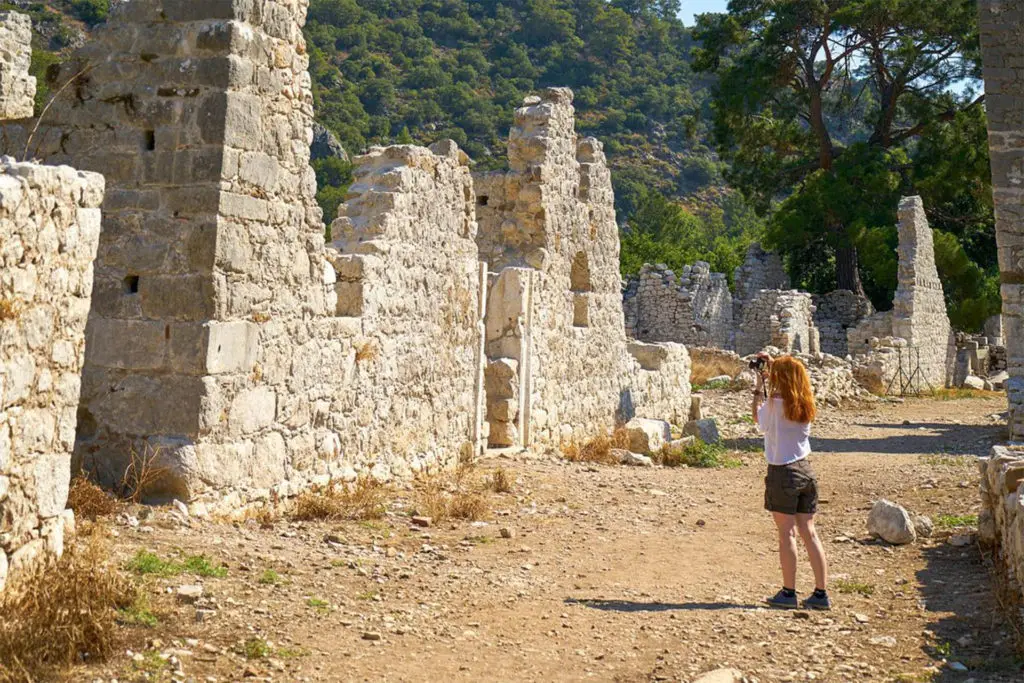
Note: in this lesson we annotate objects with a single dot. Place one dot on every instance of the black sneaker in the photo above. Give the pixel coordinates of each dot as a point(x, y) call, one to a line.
point(815, 602)
point(782, 601)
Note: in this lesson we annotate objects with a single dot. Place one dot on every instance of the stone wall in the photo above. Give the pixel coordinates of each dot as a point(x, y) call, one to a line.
point(783, 319)
point(1001, 25)
point(864, 336)
point(553, 213)
point(919, 308)
point(760, 270)
point(835, 314)
point(237, 356)
point(1001, 522)
point(49, 230)
point(694, 309)
point(17, 88)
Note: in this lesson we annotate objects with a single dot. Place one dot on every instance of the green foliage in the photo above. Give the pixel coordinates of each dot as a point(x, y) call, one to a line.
point(828, 111)
point(699, 454)
point(956, 521)
point(663, 231)
point(149, 563)
point(424, 70)
point(333, 177)
point(91, 12)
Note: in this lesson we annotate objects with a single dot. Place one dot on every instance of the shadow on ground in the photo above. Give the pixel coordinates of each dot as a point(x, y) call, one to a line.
point(631, 606)
point(949, 439)
point(969, 627)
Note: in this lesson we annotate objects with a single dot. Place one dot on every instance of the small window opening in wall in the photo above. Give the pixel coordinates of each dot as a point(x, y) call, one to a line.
point(131, 284)
point(579, 274)
point(482, 200)
point(150, 140)
point(581, 310)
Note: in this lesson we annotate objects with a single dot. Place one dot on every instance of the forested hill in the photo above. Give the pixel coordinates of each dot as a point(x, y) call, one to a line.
point(395, 70)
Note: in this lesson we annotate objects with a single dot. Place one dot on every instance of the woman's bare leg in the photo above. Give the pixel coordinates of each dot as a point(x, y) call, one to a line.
point(786, 524)
point(805, 524)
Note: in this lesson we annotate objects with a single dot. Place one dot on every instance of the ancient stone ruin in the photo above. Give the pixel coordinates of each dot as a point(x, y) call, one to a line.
point(780, 318)
point(760, 270)
point(694, 309)
point(49, 230)
point(234, 355)
point(1001, 27)
point(911, 348)
point(835, 313)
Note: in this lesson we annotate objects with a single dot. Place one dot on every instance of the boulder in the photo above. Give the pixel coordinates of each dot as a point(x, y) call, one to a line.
point(721, 676)
point(891, 523)
point(998, 380)
point(923, 526)
point(706, 430)
point(696, 413)
point(325, 145)
point(630, 458)
point(646, 435)
point(972, 382)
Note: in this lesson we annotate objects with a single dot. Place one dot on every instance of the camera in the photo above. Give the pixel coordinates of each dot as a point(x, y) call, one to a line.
point(757, 364)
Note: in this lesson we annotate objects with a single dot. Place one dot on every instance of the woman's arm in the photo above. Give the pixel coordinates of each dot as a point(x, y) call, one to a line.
point(759, 388)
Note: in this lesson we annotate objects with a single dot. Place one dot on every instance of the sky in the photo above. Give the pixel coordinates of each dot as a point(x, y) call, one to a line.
point(692, 7)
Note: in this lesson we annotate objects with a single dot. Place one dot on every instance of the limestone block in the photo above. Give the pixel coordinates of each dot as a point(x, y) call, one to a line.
point(253, 409)
point(695, 408)
point(972, 382)
point(17, 88)
point(706, 430)
point(647, 435)
point(503, 434)
point(501, 379)
point(891, 523)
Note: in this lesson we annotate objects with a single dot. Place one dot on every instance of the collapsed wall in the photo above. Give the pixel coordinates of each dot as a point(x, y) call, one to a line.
point(234, 355)
point(783, 319)
point(694, 309)
point(1001, 522)
point(760, 270)
point(1001, 25)
point(835, 314)
point(49, 230)
point(552, 217)
point(919, 308)
point(910, 348)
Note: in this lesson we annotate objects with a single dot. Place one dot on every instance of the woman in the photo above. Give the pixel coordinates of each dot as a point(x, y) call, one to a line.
point(791, 490)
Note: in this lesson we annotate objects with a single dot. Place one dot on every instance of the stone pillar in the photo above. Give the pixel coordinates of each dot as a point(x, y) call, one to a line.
point(919, 307)
point(17, 88)
point(1001, 27)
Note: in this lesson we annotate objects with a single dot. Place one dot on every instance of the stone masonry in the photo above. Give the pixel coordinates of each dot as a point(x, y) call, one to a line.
point(238, 356)
point(17, 88)
point(760, 270)
point(835, 313)
point(1001, 26)
point(919, 308)
point(915, 335)
point(564, 370)
point(694, 309)
point(783, 319)
point(49, 230)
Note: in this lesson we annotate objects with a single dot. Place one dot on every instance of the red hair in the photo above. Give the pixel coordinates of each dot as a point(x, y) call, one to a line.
point(789, 378)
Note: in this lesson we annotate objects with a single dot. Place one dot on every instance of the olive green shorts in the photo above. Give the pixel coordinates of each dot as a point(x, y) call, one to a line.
point(791, 489)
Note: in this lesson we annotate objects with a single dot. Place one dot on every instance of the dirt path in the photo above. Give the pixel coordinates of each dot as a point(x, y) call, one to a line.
point(612, 574)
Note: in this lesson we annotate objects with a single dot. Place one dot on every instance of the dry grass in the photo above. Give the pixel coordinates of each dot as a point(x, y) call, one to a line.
point(707, 363)
point(367, 352)
point(962, 392)
point(141, 473)
point(432, 500)
point(9, 309)
point(61, 614)
point(89, 501)
point(501, 481)
point(366, 500)
point(597, 450)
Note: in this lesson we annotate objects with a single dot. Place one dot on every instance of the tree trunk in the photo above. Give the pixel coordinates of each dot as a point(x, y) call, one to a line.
point(847, 270)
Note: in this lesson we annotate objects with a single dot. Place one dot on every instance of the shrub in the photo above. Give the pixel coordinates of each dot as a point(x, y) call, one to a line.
point(366, 500)
point(89, 501)
point(598, 450)
point(57, 615)
point(697, 454)
point(501, 481)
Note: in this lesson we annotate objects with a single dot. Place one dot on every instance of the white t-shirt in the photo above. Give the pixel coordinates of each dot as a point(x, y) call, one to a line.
point(785, 441)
